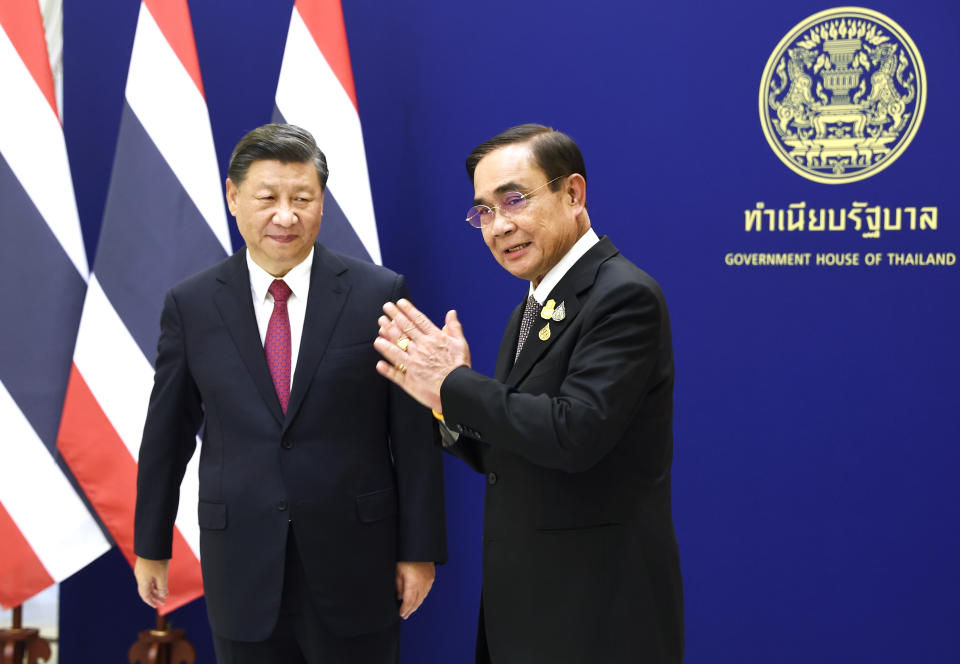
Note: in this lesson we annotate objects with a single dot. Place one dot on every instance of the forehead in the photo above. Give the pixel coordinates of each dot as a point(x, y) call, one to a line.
point(270, 172)
point(511, 164)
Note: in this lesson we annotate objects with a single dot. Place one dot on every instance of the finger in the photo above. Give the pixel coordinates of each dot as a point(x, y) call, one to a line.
point(151, 594)
point(411, 601)
point(452, 325)
point(390, 372)
point(389, 330)
point(398, 318)
point(390, 309)
point(416, 317)
point(146, 595)
point(389, 350)
point(406, 327)
point(399, 580)
point(387, 324)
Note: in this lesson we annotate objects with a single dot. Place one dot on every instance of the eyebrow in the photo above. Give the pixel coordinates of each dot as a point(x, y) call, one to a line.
point(502, 189)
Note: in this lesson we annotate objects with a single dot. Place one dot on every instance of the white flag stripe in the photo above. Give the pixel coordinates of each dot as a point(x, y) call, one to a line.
point(122, 386)
point(310, 95)
point(41, 501)
point(29, 130)
point(174, 114)
point(52, 11)
point(114, 368)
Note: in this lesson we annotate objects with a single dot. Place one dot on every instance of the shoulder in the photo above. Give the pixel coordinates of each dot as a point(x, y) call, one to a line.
point(208, 279)
point(619, 274)
point(358, 271)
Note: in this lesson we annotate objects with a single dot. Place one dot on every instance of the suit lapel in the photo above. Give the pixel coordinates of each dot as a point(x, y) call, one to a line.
point(235, 304)
point(509, 344)
point(577, 279)
point(329, 288)
point(535, 346)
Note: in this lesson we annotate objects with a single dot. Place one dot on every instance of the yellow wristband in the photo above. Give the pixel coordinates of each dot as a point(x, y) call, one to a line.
point(437, 415)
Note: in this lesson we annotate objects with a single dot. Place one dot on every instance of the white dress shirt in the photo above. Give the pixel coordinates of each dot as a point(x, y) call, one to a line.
point(558, 271)
point(298, 279)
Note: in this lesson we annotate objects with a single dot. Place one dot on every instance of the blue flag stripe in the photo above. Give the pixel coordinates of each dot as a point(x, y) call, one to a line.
point(41, 302)
point(336, 232)
point(143, 251)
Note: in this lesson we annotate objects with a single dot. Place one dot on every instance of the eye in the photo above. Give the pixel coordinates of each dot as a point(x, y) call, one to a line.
point(477, 215)
point(512, 199)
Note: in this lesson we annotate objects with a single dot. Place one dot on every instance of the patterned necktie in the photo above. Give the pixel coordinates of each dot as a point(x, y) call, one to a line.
point(277, 343)
point(530, 313)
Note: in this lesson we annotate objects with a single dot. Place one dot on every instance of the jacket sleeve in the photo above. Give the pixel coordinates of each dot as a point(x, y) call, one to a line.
point(463, 447)
point(418, 464)
point(169, 439)
point(611, 372)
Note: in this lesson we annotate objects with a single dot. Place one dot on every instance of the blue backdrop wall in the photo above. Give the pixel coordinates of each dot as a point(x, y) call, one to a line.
point(816, 405)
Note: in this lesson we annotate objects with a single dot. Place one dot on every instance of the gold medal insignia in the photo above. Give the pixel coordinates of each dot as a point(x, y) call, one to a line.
point(547, 310)
point(545, 332)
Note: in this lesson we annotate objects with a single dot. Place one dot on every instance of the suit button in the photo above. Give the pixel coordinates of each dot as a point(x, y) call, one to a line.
point(491, 478)
point(286, 445)
point(282, 506)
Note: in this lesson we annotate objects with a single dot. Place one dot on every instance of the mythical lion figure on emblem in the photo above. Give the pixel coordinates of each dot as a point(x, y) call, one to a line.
point(806, 112)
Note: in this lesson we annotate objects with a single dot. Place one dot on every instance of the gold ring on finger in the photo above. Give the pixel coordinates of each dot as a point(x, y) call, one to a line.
point(402, 368)
point(403, 343)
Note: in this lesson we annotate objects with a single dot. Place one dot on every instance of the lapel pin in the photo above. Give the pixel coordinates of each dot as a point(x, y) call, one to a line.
point(545, 332)
point(547, 310)
point(559, 313)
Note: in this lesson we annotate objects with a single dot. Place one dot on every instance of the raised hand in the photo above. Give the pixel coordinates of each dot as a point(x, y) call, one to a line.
point(417, 354)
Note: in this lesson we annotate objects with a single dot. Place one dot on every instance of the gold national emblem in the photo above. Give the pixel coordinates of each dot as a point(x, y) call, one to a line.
point(842, 95)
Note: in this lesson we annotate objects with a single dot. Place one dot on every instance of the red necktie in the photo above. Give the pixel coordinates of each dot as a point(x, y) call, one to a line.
point(277, 344)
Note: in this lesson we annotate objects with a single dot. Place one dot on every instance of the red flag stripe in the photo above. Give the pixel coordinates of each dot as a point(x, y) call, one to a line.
point(173, 19)
point(26, 577)
point(324, 20)
point(94, 450)
point(23, 24)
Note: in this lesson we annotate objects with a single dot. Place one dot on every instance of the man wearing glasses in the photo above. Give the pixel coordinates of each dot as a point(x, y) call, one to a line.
point(574, 432)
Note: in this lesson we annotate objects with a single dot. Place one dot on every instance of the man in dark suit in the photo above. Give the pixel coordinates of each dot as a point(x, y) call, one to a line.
point(574, 432)
point(321, 494)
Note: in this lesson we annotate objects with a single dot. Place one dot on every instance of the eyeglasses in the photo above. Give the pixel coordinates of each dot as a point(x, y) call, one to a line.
point(510, 204)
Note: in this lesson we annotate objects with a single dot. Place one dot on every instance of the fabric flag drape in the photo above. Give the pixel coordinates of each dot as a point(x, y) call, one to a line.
point(164, 220)
point(316, 51)
point(46, 531)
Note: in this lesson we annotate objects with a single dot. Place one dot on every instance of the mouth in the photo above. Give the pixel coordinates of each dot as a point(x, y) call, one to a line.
point(283, 239)
point(517, 248)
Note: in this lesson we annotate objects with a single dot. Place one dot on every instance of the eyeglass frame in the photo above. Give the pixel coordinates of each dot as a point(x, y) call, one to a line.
point(509, 212)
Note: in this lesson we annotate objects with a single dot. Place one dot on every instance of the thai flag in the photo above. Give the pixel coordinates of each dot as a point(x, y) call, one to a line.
point(46, 531)
point(164, 220)
point(315, 91)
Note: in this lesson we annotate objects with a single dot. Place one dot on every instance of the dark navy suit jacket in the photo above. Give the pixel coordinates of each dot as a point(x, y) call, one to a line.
point(353, 464)
point(580, 560)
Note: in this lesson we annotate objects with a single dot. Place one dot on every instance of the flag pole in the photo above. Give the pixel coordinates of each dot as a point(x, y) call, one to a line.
point(162, 645)
point(19, 642)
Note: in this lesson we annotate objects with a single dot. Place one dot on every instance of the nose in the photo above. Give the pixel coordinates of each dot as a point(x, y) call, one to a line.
point(284, 214)
point(500, 224)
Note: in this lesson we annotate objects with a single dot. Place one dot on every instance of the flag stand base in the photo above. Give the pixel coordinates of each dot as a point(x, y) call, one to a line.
point(18, 643)
point(161, 646)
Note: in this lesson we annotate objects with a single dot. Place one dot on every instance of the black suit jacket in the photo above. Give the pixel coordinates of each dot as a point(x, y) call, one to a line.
point(580, 560)
point(352, 464)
